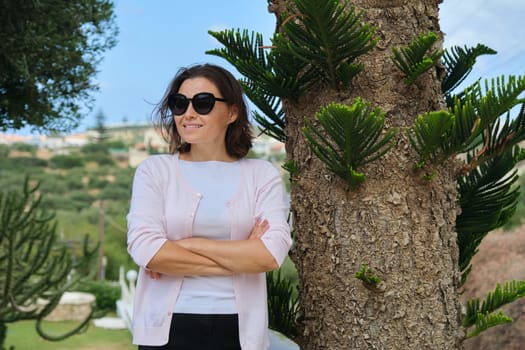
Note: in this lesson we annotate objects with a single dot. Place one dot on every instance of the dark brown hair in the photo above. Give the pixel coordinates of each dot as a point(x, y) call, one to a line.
point(238, 135)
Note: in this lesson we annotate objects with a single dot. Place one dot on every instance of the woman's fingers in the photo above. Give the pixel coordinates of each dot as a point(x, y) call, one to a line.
point(152, 274)
point(259, 229)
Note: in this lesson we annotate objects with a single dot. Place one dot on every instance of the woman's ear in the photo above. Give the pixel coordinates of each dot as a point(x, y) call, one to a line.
point(234, 114)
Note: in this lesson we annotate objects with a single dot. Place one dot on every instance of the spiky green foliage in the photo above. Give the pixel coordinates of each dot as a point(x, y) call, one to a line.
point(33, 264)
point(458, 64)
point(431, 135)
point(272, 118)
point(414, 60)
point(319, 41)
point(265, 82)
point(488, 197)
point(352, 136)
point(291, 167)
point(486, 321)
point(283, 304)
point(488, 188)
point(247, 53)
point(367, 276)
point(478, 116)
point(328, 37)
point(501, 296)
point(479, 123)
point(499, 138)
point(481, 314)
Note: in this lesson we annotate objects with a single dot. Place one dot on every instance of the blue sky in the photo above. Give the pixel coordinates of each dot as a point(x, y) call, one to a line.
point(157, 37)
point(498, 24)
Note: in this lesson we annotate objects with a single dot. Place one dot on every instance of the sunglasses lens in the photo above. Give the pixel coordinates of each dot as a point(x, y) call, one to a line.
point(178, 104)
point(203, 103)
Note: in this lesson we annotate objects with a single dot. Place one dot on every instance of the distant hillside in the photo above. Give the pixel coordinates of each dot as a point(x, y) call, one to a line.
point(82, 186)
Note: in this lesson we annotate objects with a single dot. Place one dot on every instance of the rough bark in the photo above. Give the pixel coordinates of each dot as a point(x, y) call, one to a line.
point(398, 223)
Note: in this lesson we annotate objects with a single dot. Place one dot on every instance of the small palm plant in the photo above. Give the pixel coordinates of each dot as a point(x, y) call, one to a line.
point(355, 138)
point(415, 60)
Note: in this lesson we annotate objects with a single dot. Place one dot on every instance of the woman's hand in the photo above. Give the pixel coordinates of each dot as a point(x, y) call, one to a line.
point(259, 229)
point(152, 274)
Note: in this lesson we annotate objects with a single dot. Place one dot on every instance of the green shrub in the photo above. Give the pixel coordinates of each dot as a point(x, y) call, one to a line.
point(117, 144)
point(114, 193)
point(74, 202)
point(106, 293)
point(73, 182)
point(95, 148)
point(77, 173)
point(66, 161)
point(124, 181)
point(83, 197)
point(98, 182)
point(99, 158)
point(52, 184)
point(22, 163)
point(115, 239)
point(283, 304)
point(77, 206)
point(118, 257)
point(117, 210)
point(56, 202)
point(8, 180)
point(24, 147)
point(4, 151)
point(79, 223)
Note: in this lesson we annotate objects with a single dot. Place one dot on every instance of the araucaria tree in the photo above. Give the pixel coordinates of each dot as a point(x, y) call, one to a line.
point(49, 52)
point(34, 265)
point(396, 179)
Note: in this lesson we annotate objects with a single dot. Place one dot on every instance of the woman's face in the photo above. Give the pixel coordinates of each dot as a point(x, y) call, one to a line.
point(208, 130)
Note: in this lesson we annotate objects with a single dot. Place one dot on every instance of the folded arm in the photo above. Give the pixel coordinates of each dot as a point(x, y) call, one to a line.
point(241, 256)
point(201, 256)
point(173, 259)
point(247, 256)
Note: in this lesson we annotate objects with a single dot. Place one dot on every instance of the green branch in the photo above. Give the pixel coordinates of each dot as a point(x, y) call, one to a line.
point(352, 136)
point(369, 279)
point(414, 60)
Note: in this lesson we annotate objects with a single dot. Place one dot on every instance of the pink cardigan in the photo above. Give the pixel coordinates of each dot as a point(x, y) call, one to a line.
point(162, 208)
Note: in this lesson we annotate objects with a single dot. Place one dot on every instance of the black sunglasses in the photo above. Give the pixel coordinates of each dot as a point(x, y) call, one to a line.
point(202, 103)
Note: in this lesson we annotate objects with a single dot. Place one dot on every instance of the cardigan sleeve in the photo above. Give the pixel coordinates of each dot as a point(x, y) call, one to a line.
point(272, 205)
point(146, 223)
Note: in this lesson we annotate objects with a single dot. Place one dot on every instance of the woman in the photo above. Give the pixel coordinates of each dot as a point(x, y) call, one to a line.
point(205, 223)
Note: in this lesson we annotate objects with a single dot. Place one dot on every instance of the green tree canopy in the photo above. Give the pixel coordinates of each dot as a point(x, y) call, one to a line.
point(49, 50)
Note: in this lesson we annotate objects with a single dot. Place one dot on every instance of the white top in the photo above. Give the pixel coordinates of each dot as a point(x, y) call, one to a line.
point(162, 208)
point(217, 183)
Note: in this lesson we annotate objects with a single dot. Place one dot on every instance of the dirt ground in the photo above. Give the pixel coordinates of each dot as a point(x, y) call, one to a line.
point(501, 258)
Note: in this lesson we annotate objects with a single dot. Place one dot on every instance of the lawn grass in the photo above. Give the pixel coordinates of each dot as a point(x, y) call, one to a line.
point(23, 336)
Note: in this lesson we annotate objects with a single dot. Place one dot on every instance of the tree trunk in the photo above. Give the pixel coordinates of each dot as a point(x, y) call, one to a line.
point(398, 223)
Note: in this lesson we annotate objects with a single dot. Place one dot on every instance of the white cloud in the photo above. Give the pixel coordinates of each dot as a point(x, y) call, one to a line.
point(498, 24)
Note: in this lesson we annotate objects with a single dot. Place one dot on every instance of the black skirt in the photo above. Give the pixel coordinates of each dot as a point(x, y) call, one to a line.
point(201, 332)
